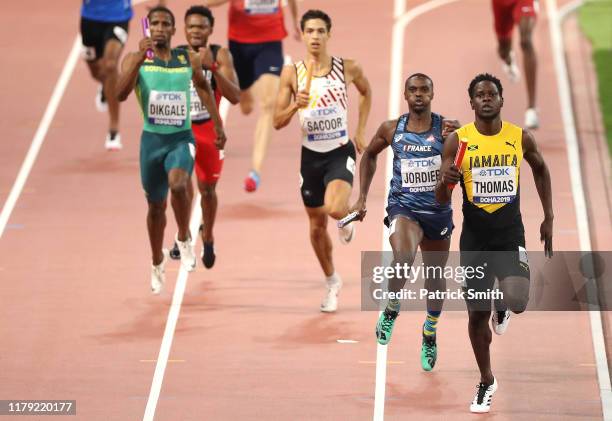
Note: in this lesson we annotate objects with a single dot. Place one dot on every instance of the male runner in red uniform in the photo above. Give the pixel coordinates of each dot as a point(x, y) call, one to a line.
point(256, 31)
point(507, 14)
point(219, 71)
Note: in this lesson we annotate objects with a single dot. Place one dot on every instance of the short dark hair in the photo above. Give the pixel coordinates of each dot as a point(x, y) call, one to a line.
point(420, 76)
point(485, 77)
point(316, 14)
point(164, 10)
point(202, 11)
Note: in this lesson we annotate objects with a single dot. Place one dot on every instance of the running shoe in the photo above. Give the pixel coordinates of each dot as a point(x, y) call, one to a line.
point(113, 143)
point(499, 321)
point(330, 301)
point(484, 395)
point(251, 183)
point(346, 233)
point(532, 121)
point(512, 70)
point(158, 276)
point(385, 324)
point(429, 352)
point(208, 255)
point(188, 259)
point(175, 253)
point(101, 104)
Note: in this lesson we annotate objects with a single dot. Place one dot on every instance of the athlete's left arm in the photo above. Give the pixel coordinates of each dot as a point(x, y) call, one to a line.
point(449, 126)
point(206, 96)
point(225, 76)
point(297, 33)
point(354, 73)
point(541, 176)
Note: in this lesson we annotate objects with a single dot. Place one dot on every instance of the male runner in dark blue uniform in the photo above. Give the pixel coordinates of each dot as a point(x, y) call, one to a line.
point(414, 217)
point(104, 32)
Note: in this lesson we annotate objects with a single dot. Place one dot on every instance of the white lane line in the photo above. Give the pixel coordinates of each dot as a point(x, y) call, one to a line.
point(402, 19)
point(41, 133)
point(175, 306)
point(580, 207)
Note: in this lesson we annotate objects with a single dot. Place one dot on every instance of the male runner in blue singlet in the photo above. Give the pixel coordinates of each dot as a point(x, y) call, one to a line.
point(413, 215)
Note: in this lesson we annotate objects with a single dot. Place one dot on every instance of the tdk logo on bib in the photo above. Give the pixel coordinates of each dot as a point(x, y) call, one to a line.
point(420, 174)
point(169, 96)
point(494, 172)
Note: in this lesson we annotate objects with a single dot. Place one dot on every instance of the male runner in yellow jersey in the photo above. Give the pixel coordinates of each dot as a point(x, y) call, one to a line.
point(489, 176)
point(328, 154)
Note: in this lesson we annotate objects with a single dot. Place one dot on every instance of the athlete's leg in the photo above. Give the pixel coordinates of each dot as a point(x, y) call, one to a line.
point(246, 101)
point(156, 223)
point(435, 254)
point(319, 238)
point(337, 195)
point(516, 293)
point(405, 236)
point(265, 90)
point(526, 25)
point(480, 337)
point(209, 209)
point(178, 180)
point(110, 65)
point(95, 69)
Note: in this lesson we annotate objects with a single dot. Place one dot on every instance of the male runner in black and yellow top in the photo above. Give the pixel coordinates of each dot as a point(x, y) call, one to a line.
point(167, 148)
point(489, 176)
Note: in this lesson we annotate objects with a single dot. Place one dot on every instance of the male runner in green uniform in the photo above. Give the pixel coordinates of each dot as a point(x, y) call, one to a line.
point(167, 147)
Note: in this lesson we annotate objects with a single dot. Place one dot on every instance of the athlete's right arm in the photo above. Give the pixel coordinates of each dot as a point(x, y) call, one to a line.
point(367, 166)
point(285, 107)
point(449, 174)
point(130, 67)
point(226, 76)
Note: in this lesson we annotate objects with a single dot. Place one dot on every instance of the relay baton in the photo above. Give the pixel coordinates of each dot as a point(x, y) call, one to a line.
point(309, 70)
point(147, 33)
point(348, 219)
point(459, 156)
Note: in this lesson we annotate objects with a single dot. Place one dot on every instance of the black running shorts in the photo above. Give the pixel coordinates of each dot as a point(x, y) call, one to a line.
point(96, 34)
point(319, 168)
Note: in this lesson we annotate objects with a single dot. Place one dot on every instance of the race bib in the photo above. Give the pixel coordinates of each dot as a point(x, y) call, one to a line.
point(420, 174)
point(324, 123)
point(167, 108)
point(494, 184)
point(197, 109)
point(261, 7)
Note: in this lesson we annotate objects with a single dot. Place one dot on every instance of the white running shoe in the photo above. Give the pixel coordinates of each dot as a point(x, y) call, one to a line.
point(158, 276)
point(498, 324)
point(484, 395)
point(346, 233)
point(101, 104)
point(113, 144)
point(330, 301)
point(532, 121)
point(188, 258)
point(512, 70)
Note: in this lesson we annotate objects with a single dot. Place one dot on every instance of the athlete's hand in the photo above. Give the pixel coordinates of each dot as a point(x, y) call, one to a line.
point(449, 126)
point(546, 231)
point(359, 206)
point(195, 57)
point(451, 175)
point(221, 139)
point(207, 57)
point(144, 45)
point(297, 32)
point(360, 142)
point(302, 99)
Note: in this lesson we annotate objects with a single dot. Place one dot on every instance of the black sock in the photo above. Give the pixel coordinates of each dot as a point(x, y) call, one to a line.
point(113, 134)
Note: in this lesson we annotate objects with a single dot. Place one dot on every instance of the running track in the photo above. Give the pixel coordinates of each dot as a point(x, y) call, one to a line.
point(78, 319)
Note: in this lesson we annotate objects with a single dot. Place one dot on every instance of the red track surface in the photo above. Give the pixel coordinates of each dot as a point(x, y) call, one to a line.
point(80, 323)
